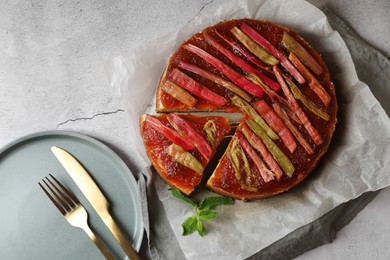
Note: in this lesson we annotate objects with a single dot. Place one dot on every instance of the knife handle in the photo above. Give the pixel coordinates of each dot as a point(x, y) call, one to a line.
point(120, 237)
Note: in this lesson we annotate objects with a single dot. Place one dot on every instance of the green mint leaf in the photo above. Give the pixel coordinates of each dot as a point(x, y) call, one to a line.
point(176, 193)
point(190, 225)
point(207, 214)
point(200, 228)
point(205, 211)
point(212, 202)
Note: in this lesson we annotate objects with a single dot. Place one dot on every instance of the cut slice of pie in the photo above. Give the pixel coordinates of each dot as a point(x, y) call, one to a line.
point(181, 146)
point(254, 166)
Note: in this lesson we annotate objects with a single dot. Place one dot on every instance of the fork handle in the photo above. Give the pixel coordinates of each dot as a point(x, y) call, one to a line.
point(98, 243)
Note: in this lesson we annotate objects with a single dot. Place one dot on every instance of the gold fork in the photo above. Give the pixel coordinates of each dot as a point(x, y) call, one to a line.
point(71, 209)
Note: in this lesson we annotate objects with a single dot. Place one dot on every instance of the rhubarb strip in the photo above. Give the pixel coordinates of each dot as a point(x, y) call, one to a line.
point(271, 93)
point(265, 173)
point(169, 133)
point(216, 79)
point(179, 93)
point(184, 158)
point(307, 102)
point(211, 131)
point(276, 124)
point(257, 37)
point(283, 161)
point(238, 48)
point(293, 46)
point(259, 145)
point(312, 80)
point(284, 116)
point(254, 115)
point(184, 128)
point(241, 63)
point(231, 74)
point(196, 88)
point(234, 156)
point(297, 110)
point(253, 47)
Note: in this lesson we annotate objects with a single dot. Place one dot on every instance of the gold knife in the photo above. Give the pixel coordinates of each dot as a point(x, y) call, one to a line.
point(92, 192)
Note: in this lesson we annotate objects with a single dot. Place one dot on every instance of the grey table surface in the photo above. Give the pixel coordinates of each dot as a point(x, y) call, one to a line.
point(52, 77)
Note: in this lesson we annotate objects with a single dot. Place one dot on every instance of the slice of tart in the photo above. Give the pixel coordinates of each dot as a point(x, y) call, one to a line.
point(181, 146)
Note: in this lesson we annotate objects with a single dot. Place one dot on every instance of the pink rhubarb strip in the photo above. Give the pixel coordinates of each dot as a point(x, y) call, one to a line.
point(196, 88)
point(312, 80)
point(257, 37)
point(233, 75)
point(283, 114)
point(216, 79)
point(276, 124)
point(266, 174)
point(297, 109)
point(258, 144)
point(241, 63)
point(169, 133)
point(186, 130)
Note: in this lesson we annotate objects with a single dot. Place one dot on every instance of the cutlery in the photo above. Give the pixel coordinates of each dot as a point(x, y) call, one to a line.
point(92, 192)
point(71, 209)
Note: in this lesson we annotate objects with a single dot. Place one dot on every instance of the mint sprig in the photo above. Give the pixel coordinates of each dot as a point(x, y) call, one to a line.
point(204, 211)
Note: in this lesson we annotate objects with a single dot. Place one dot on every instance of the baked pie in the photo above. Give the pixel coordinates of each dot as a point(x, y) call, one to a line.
point(264, 71)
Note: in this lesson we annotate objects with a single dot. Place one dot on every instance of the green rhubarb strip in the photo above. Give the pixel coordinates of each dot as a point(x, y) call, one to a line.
point(283, 161)
point(184, 158)
point(306, 58)
point(254, 115)
point(241, 49)
point(211, 130)
point(178, 93)
point(236, 153)
point(306, 101)
point(253, 47)
point(263, 42)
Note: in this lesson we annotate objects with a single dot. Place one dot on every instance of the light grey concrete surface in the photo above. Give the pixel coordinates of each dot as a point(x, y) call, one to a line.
point(52, 56)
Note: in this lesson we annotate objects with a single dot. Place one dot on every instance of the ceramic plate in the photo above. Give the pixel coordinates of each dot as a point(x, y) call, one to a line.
point(33, 228)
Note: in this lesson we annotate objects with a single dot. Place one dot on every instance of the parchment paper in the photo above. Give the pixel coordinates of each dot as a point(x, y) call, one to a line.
point(356, 162)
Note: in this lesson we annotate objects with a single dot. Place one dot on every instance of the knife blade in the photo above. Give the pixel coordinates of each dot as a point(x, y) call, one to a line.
point(97, 199)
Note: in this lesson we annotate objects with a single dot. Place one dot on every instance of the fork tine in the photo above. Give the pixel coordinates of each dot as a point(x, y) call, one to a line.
point(58, 198)
point(66, 202)
point(57, 194)
point(70, 195)
point(59, 207)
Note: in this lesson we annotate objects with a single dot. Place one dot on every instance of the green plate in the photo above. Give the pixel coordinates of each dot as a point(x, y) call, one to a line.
point(33, 228)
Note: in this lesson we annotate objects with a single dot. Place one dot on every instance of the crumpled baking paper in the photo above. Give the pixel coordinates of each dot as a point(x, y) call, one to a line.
point(358, 159)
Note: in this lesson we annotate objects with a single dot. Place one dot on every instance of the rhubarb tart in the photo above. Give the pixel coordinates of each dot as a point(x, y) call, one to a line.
point(270, 75)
